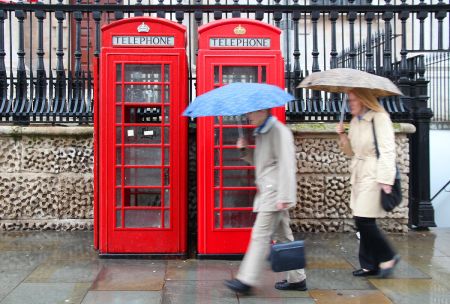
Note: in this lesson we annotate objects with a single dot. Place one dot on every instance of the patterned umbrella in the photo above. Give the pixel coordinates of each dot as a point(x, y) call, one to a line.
point(342, 80)
point(237, 99)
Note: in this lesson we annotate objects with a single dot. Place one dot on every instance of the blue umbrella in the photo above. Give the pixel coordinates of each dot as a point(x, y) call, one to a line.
point(237, 99)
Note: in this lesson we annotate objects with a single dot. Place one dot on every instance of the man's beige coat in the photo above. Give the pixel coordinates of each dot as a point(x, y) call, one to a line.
point(367, 172)
point(276, 166)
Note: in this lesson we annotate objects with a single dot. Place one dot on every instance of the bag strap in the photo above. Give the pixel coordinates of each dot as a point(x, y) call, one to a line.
point(375, 138)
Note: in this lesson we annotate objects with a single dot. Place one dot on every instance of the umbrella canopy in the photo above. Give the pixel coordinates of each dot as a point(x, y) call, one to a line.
point(237, 99)
point(342, 80)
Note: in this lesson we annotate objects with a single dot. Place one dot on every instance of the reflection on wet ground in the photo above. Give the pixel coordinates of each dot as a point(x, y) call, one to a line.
point(62, 267)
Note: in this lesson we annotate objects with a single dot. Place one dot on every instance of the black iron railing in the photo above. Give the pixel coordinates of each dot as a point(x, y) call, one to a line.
point(437, 67)
point(47, 49)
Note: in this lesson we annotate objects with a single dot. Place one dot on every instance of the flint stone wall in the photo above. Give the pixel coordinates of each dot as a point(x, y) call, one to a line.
point(323, 180)
point(46, 179)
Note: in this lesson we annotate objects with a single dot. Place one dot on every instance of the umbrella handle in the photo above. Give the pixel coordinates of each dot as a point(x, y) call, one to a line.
point(240, 131)
point(344, 102)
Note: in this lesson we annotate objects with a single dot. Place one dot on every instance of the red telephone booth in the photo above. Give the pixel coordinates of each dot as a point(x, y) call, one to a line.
point(233, 50)
point(142, 138)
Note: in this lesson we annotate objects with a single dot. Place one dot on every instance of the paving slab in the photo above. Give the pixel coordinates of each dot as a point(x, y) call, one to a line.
point(47, 293)
point(126, 275)
point(198, 270)
point(413, 291)
point(11, 261)
point(276, 301)
point(69, 271)
point(198, 292)
point(9, 280)
point(122, 297)
point(349, 297)
point(328, 262)
point(335, 279)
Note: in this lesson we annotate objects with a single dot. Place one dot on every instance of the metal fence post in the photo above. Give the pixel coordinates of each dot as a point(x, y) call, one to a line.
point(421, 212)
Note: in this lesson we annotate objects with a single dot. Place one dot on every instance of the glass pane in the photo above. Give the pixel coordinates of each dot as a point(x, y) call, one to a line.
point(238, 198)
point(216, 75)
point(166, 177)
point(142, 177)
point(142, 114)
point(216, 177)
point(118, 156)
point(143, 93)
point(216, 157)
point(237, 178)
point(142, 72)
point(142, 218)
point(119, 93)
point(118, 218)
point(118, 114)
point(166, 198)
point(167, 218)
point(166, 157)
point(235, 120)
point(118, 72)
point(118, 197)
point(232, 157)
point(142, 156)
point(119, 135)
point(166, 73)
point(142, 197)
point(238, 219)
point(217, 219)
point(118, 176)
point(217, 199)
point(142, 135)
point(263, 74)
point(166, 135)
point(231, 135)
point(166, 115)
point(166, 94)
point(239, 74)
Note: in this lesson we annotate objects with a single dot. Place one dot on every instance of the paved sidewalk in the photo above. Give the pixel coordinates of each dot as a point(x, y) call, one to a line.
point(62, 267)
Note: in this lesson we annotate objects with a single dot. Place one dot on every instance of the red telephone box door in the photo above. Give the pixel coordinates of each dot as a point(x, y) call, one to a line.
point(143, 140)
point(225, 182)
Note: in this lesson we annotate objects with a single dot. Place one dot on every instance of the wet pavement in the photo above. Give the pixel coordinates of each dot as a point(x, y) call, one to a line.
point(62, 267)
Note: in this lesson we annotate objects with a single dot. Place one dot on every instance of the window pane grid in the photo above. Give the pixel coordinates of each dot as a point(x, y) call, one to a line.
point(146, 204)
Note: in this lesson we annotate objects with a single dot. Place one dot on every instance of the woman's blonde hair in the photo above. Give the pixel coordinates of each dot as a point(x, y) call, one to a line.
point(368, 99)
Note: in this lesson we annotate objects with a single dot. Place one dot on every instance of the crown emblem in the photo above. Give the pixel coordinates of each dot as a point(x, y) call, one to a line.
point(143, 28)
point(240, 30)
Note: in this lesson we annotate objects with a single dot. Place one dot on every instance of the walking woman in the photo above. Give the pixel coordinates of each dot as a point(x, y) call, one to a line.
point(369, 174)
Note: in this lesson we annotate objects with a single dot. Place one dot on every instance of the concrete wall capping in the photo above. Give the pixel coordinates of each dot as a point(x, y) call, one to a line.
point(328, 127)
point(46, 130)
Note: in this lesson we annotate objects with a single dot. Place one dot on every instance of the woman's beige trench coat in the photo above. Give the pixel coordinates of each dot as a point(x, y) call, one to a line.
point(367, 172)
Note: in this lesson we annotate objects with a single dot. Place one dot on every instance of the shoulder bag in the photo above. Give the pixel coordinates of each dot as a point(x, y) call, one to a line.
point(389, 200)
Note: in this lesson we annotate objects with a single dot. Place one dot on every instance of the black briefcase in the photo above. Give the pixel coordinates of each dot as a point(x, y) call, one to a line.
point(287, 256)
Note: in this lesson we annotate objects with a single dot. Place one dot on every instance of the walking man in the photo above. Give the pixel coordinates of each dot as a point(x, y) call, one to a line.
point(275, 173)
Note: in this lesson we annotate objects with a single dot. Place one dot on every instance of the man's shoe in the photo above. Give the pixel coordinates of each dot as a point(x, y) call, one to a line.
point(285, 285)
point(237, 286)
point(364, 273)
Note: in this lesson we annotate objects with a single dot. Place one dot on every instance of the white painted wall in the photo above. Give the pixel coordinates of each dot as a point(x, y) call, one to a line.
point(440, 174)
